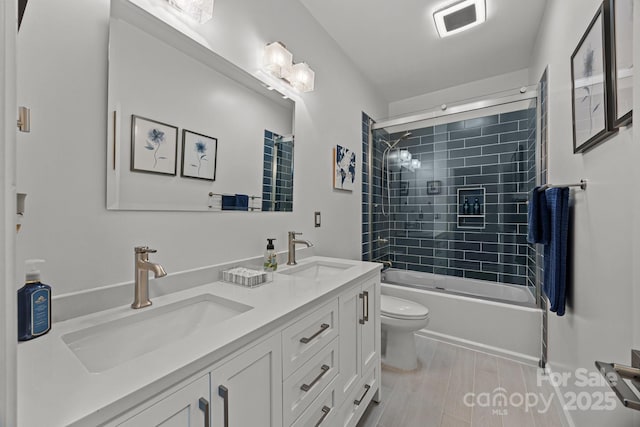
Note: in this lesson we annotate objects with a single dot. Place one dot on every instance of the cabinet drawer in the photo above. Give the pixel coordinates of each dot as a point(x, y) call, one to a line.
point(322, 411)
point(305, 384)
point(354, 406)
point(307, 336)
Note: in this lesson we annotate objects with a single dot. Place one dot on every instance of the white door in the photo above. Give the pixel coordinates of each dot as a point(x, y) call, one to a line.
point(247, 390)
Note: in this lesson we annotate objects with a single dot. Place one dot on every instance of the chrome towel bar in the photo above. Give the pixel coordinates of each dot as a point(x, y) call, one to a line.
point(582, 184)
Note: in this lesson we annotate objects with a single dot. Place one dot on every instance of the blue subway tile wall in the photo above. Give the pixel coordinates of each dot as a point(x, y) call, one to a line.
point(278, 195)
point(267, 177)
point(493, 153)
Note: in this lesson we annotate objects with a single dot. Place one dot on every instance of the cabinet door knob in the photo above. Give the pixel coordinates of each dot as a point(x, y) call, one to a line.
point(203, 404)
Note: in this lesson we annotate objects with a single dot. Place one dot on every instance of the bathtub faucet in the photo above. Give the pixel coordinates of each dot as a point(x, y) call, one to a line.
point(385, 263)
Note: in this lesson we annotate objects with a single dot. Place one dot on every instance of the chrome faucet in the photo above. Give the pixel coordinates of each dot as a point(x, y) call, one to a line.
point(292, 246)
point(142, 268)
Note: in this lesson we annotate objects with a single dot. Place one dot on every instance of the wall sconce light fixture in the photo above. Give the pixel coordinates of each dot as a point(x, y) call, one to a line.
point(302, 77)
point(199, 10)
point(278, 61)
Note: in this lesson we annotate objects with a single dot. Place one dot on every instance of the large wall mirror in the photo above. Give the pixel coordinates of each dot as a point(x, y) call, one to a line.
point(187, 130)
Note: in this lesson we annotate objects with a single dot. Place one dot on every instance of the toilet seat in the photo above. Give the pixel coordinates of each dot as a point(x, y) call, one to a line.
point(398, 308)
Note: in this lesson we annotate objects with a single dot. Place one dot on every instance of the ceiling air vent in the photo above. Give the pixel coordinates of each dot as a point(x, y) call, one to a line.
point(459, 16)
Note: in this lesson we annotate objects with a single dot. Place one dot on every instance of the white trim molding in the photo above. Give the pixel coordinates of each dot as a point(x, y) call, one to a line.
point(8, 126)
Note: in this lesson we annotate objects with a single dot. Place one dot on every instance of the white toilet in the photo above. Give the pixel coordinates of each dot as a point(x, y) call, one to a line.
point(400, 318)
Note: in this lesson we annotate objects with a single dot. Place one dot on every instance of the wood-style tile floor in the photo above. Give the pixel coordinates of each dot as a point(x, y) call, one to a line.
point(434, 395)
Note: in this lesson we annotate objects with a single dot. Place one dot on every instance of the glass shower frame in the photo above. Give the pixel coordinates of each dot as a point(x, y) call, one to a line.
point(378, 243)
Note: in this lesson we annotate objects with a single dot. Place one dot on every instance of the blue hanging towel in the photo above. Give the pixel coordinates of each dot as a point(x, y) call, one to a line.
point(555, 252)
point(538, 216)
point(242, 202)
point(228, 203)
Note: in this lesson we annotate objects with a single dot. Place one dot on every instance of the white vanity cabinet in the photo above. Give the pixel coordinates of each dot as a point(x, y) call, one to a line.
point(319, 367)
point(359, 334)
point(187, 407)
point(247, 390)
point(244, 391)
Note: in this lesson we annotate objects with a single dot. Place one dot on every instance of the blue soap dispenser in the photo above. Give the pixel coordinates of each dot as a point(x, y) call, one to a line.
point(34, 304)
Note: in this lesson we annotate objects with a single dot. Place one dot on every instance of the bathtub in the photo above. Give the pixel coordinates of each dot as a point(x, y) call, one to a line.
point(514, 294)
point(502, 321)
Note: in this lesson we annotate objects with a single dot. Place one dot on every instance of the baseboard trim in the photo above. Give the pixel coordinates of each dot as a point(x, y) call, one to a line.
point(476, 346)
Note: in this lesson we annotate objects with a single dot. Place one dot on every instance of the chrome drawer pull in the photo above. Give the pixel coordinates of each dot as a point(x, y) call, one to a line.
point(307, 387)
point(203, 404)
point(361, 296)
point(325, 412)
point(366, 390)
point(305, 340)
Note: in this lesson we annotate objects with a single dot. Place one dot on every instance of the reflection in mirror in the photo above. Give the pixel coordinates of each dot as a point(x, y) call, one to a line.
point(214, 116)
point(277, 178)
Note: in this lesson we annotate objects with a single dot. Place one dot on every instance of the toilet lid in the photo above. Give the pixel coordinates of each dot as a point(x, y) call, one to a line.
point(401, 308)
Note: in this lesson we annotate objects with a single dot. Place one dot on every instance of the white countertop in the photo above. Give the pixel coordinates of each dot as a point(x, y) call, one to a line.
point(55, 389)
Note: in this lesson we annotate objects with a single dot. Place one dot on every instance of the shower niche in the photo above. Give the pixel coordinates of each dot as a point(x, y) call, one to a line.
point(471, 207)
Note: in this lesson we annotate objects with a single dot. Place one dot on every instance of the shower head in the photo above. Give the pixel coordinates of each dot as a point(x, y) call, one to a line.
point(404, 136)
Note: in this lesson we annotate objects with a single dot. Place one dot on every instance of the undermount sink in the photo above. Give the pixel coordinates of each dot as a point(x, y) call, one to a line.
point(316, 269)
point(104, 346)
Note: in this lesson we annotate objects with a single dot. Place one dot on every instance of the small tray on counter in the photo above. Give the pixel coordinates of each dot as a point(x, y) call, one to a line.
point(249, 276)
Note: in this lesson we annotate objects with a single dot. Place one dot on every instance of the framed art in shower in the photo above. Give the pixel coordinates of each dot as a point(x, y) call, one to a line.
point(199, 156)
point(621, 57)
point(154, 146)
point(591, 85)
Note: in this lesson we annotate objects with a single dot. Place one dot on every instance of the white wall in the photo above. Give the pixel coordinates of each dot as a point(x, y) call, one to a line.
point(63, 78)
point(599, 316)
point(455, 94)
